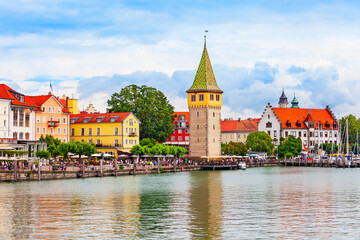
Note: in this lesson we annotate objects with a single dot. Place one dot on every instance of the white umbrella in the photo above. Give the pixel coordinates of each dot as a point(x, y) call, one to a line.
point(107, 155)
point(96, 155)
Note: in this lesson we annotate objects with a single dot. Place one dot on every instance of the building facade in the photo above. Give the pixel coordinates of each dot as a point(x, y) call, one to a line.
point(237, 130)
point(180, 135)
point(52, 118)
point(110, 132)
point(204, 102)
point(313, 126)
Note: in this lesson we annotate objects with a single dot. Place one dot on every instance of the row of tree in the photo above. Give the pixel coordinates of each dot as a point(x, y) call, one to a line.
point(151, 147)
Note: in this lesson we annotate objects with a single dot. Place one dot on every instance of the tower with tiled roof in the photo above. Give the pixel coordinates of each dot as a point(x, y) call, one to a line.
point(204, 102)
point(283, 102)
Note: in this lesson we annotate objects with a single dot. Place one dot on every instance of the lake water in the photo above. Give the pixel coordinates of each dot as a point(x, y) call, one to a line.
point(268, 203)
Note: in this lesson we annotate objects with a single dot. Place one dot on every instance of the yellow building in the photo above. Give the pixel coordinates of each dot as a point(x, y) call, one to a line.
point(51, 117)
point(110, 132)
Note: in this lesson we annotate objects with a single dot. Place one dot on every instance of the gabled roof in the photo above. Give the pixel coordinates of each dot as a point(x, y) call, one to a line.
point(105, 117)
point(247, 125)
point(7, 93)
point(204, 79)
point(41, 99)
point(302, 115)
point(177, 115)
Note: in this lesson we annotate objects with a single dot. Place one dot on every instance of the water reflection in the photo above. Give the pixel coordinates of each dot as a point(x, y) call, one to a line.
point(266, 203)
point(206, 205)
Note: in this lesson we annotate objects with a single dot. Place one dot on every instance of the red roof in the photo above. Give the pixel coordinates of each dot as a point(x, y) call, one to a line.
point(301, 115)
point(63, 102)
point(248, 125)
point(177, 114)
point(8, 93)
point(93, 116)
point(40, 100)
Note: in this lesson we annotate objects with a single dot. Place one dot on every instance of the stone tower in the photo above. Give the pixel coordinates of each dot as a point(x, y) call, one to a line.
point(204, 102)
point(283, 102)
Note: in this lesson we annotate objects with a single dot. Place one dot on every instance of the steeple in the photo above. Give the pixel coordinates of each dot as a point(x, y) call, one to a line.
point(283, 103)
point(295, 102)
point(204, 79)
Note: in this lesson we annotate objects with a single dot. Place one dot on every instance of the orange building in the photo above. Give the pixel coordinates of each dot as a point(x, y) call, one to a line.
point(51, 117)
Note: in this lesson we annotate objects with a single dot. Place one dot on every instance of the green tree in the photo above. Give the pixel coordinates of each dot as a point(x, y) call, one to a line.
point(289, 147)
point(43, 154)
point(353, 124)
point(88, 149)
point(234, 148)
point(137, 149)
point(150, 106)
point(52, 144)
point(329, 147)
point(259, 142)
point(148, 142)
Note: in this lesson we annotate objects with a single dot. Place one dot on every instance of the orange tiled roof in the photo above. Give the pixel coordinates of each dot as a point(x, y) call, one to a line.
point(239, 126)
point(93, 116)
point(8, 93)
point(41, 99)
point(177, 114)
point(294, 115)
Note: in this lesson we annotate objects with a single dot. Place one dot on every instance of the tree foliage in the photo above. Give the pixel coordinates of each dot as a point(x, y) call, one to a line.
point(234, 148)
point(259, 142)
point(52, 144)
point(150, 106)
point(43, 154)
point(151, 147)
point(330, 148)
point(289, 147)
point(353, 124)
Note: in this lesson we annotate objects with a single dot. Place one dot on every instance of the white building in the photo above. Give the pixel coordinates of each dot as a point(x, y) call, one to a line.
point(313, 126)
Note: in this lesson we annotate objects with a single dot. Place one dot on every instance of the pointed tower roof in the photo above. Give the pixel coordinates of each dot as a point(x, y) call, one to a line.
point(283, 98)
point(205, 79)
point(295, 102)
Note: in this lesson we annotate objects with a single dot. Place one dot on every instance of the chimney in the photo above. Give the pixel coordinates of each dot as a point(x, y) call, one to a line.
point(239, 119)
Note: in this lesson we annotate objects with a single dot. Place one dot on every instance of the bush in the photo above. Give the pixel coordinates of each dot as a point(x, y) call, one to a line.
point(121, 167)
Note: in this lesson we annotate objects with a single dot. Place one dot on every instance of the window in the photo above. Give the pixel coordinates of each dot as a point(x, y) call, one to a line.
point(58, 110)
point(126, 141)
point(44, 119)
point(217, 97)
point(64, 131)
point(268, 133)
point(44, 130)
point(51, 130)
point(59, 120)
point(98, 131)
point(299, 133)
point(127, 130)
point(214, 126)
point(72, 132)
point(64, 140)
point(326, 134)
point(37, 130)
point(201, 97)
point(90, 141)
point(82, 140)
point(44, 109)
point(330, 134)
point(38, 119)
point(286, 134)
point(98, 141)
point(268, 116)
point(173, 138)
point(211, 97)
point(64, 120)
point(197, 114)
point(268, 124)
point(59, 130)
point(53, 109)
point(213, 114)
point(321, 134)
point(49, 109)
point(193, 97)
point(335, 135)
point(197, 126)
point(116, 142)
point(116, 131)
point(82, 131)
point(311, 134)
point(90, 131)
point(305, 142)
point(186, 131)
point(21, 136)
point(180, 131)
point(274, 133)
point(316, 134)
point(15, 135)
point(51, 119)
point(180, 138)
point(304, 134)
point(187, 138)
point(131, 122)
point(4, 110)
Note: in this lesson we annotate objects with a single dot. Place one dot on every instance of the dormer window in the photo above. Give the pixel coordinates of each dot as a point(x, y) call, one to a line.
point(113, 119)
point(85, 120)
point(320, 125)
point(22, 98)
point(334, 125)
point(99, 119)
point(298, 123)
point(288, 123)
point(72, 120)
point(327, 125)
point(268, 124)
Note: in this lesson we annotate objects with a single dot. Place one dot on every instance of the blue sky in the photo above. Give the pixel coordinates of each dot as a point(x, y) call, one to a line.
point(90, 49)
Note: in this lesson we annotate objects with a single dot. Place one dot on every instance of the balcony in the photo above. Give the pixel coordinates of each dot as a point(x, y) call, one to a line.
point(132, 134)
point(53, 123)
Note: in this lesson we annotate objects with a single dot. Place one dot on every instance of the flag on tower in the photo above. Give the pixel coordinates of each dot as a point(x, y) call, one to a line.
point(51, 86)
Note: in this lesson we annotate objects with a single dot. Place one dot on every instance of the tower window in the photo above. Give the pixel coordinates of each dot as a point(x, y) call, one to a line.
point(217, 97)
point(213, 114)
point(193, 97)
point(197, 114)
point(214, 126)
point(201, 97)
point(198, 126)
point(211, 97)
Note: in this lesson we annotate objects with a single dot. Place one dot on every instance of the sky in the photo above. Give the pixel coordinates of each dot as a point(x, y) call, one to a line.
point(91, 49)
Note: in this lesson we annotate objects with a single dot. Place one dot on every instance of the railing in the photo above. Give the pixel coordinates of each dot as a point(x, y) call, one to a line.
point(132, 134)
point(53, 123)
